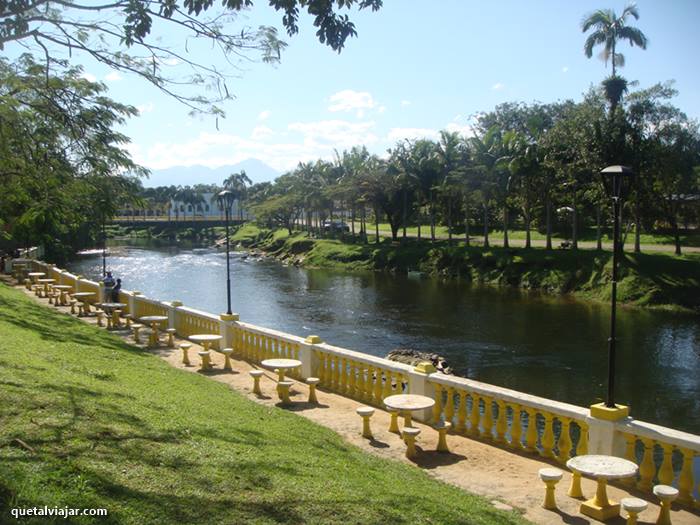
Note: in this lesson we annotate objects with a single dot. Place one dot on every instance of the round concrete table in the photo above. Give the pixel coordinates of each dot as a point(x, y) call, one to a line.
point(407, 403)
point(281, 365)
point(205, 339)
point(153, 320)
point(601, 468)
point(82, 297)
point(63, 289)
point(35, 275)
point(111, 310)
point(46, 283)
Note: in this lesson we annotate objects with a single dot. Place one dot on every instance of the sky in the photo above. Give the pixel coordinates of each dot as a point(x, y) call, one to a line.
point(416, 67)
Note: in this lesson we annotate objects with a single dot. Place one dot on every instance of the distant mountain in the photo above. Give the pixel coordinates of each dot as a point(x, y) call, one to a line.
point(257, 170)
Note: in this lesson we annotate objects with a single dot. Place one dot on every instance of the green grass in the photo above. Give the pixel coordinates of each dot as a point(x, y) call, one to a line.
point(659, 280)
point(110, 426)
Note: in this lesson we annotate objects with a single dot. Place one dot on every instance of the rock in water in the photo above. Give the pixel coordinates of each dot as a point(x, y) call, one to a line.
point(413, 357)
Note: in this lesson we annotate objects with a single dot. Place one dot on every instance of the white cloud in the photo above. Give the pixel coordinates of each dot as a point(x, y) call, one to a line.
point(381, 109)
point(260, 132)
point(114, 76)
point(398, 134)
point(171, 61)
point(465, 130)
point(498, 86)
point(304, 141)
point(264, 115)
point(349, 100)
point(145, 108)
point(405, 103)
point(88, 76)
point(565, 69)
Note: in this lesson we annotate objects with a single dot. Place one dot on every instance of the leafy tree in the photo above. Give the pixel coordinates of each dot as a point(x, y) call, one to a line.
point(118, 34)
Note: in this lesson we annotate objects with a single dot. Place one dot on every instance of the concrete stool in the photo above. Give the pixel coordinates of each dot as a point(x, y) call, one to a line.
point(394, 425)
point(550, 476)
point(365, 413)
point(128, 318)
point(283, 391)
point(73, 302)
point(171, 337)
point(409, 436)
point(206, 360)
point(82, 310)
point(442, 428)
point(135, 328)
point(100, 319)
point(666, 495)
point(57, 299)
point(50, 295)
point(633, 506)
point(28, 284)
point(37, 290)
point(185, 357)
point(227, 355)
point(256, 375)
point(116, 318)
point(312, 382)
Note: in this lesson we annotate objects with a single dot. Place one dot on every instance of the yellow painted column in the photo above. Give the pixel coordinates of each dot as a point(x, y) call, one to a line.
point(449, 404)
point(378, 387)
point(386, 392)
point(343, 375)
point(369, 383)
point(666, 469)
point(516, 428)
point(531, 434)
point(462, 412)
point(487, 419)
point(548, 436)
point(352, 370)
point(360, 380)
point(474, 416)
point(501, 422)
point(564, 444)
point(630, 455)
point(336, 373)
point(647, 469)
point(685, 480)
point(582, 446)
point(437, 407)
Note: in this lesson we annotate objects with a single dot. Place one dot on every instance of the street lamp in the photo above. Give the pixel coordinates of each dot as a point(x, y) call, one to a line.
point(225, 200)
point(104, 247)
point(617, 181)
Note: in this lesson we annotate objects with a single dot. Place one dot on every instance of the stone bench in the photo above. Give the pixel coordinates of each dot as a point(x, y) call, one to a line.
point(312, 382)
point(283, 388)
point(633, 506)
point(185, 347)
point(550, 476)
point(205, 356)
point(256, 375)
point(409, 436)
point(365, 413)
point(171, 337)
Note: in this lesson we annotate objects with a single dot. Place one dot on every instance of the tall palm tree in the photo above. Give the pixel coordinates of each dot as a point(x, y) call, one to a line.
point(238, 184)
point(608, 29)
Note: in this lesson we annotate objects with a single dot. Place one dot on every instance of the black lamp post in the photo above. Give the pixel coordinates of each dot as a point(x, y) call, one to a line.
point(104, 247)
point(617, 180)
point(225, 200)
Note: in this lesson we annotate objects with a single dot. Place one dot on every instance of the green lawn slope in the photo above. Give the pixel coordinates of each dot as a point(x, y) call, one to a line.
point(88, 421)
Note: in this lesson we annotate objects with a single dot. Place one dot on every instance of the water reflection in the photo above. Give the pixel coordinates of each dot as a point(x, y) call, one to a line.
point(546, 346)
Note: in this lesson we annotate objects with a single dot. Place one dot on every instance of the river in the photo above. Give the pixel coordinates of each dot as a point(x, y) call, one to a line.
point(548, 346)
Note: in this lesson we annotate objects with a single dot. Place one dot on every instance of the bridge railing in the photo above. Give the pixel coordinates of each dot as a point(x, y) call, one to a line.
point(505, 417)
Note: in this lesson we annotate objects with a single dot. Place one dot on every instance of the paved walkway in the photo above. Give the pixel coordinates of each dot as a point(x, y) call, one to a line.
point(507, 478)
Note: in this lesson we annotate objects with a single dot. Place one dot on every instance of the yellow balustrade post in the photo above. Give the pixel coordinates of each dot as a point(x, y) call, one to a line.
point(336, 372)
point(369, 384)
point(548, 435)
point(501, 422)
point(378, 386)
point(564, 444)
point(647, 469)
point(575, 487)
point(343, 375)
point(666, 469)
point(462, 412)
point(449, 404)
point(531, 434)
point(630, 455)
point(360, 380)
point(516, 428)
point(352, 370)
point(487, 419)
point(398, 386)
point(685, 480)
point(386, 391)
point(474, 416)
point(582, 446)
point(321, 373)
point(437, 407)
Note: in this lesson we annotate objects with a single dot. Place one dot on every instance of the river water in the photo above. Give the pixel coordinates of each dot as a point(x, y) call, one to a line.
point(546, 346)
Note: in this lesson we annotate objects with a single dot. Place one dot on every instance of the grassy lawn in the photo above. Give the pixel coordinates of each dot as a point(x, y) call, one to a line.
point(108, 426)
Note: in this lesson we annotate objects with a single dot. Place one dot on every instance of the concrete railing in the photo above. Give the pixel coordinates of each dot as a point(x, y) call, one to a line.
point(513, 419)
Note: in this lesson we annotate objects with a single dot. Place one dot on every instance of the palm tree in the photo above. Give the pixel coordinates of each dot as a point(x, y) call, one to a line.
point(238, 184)
point(608, 29)
point(450, 154)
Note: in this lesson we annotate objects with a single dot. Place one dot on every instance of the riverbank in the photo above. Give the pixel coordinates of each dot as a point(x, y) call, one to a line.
point(90, 421)
point(646, 280)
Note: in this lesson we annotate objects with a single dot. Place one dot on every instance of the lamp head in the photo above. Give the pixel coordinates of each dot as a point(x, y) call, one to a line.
point(617, 180)
point(225, 199)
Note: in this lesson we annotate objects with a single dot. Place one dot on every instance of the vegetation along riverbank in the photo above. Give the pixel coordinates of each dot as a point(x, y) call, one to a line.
point(647, 280)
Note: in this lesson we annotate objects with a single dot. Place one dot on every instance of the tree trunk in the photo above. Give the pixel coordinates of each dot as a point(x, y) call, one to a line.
point(376, 224)
point(637, 225)
point(405, 206)
point(574, 230)
point(486, 225)
point(449, 219)
point(505, 227)
point(420, 219)
point(528, 220)
point(363, 225)
point(432, 217)
point(466, 222)
point(352, 221)
point(548, 220)
point(598, 229)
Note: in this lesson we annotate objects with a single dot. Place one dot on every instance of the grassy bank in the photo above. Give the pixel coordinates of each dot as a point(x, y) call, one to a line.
point(649, 280)
point(173, 232)
point(91, 422)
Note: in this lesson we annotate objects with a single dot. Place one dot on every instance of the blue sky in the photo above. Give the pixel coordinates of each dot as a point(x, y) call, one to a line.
point(416, 67)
